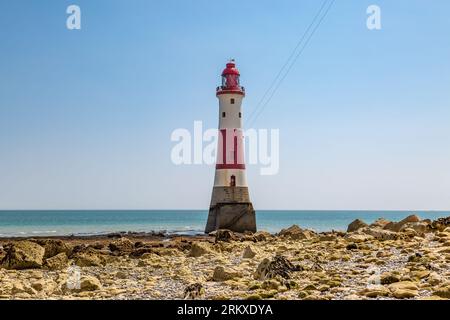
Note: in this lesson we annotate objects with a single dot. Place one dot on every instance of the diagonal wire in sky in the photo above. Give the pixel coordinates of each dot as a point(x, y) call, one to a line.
point(290, 62)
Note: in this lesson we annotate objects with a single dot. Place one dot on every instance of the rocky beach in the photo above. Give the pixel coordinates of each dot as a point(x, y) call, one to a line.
point(407, 259)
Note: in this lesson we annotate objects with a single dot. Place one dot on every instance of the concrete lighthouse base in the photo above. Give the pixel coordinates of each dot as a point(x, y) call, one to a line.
point(231, 209)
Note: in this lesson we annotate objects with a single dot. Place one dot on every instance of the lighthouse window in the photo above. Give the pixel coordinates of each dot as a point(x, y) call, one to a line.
point(232, 101)
point(223, 114)
point(240, 114)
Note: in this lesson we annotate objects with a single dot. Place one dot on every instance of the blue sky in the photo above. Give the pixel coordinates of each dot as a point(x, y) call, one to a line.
point(86, 115)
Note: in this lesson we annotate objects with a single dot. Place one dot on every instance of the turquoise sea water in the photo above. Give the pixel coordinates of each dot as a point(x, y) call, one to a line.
point(42, 223)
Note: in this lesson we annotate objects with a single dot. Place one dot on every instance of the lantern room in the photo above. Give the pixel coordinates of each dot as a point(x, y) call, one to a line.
point(230, 80)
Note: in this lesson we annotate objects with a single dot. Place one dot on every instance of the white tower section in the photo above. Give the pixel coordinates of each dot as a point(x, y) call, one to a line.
point(230, 155)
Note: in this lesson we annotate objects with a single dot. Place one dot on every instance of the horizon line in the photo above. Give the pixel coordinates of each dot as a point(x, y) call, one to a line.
point(206, 209)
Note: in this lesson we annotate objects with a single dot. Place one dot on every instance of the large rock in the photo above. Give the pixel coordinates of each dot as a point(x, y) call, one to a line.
point(223, 235)
point(294, 232)
point(57, 262)
point(410, 218)
point(356, 225)
point(396, 226)
point(379, 223)
point(374, 291)
point(403, 285)
point(53, 247)
point(404, 289)
point(435, 279)
point(404, 293)
point(121, 245)
point(279, 266)
point(89, 283)
point(249, 253)
point(389, 277)
point(23, 255)
point(198, 249)
point(420, 227)
point(441, 223)
point(222, 274)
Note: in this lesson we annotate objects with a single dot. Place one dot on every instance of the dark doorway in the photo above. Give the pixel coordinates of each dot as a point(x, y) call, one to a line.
point(233, 181)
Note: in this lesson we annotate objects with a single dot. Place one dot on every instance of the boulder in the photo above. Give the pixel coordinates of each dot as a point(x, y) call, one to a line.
point(53, 247)
point(440, 224)
point(223, 235)
point(411, 218)
point(249, 253)
point(121, 245)
point(58, 262)
point(198, 249)
point(294, 232)
point(403, 289)
point(90, 283)
point(435, 279)
point(404, 293)
point(396, 226)
point(379, 223)
point(420, 227)
point(389, 277)
point(403, 285)
point(374, 291)
point(356, 225)
point(23, 255)
point(222, 274)
point(411, 233)
point(420, 274)
point(278, 266)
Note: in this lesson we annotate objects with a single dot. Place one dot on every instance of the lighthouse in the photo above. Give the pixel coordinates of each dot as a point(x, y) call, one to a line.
point(230, 206)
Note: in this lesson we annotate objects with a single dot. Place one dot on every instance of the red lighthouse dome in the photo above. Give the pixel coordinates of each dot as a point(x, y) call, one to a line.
point(230, 69)
point(230, 80)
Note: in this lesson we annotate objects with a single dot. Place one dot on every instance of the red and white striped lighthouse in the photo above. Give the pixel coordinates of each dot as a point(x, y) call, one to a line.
point(230, 206)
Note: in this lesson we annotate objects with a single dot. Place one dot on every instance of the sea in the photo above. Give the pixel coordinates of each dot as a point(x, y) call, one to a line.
point(181, 222)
